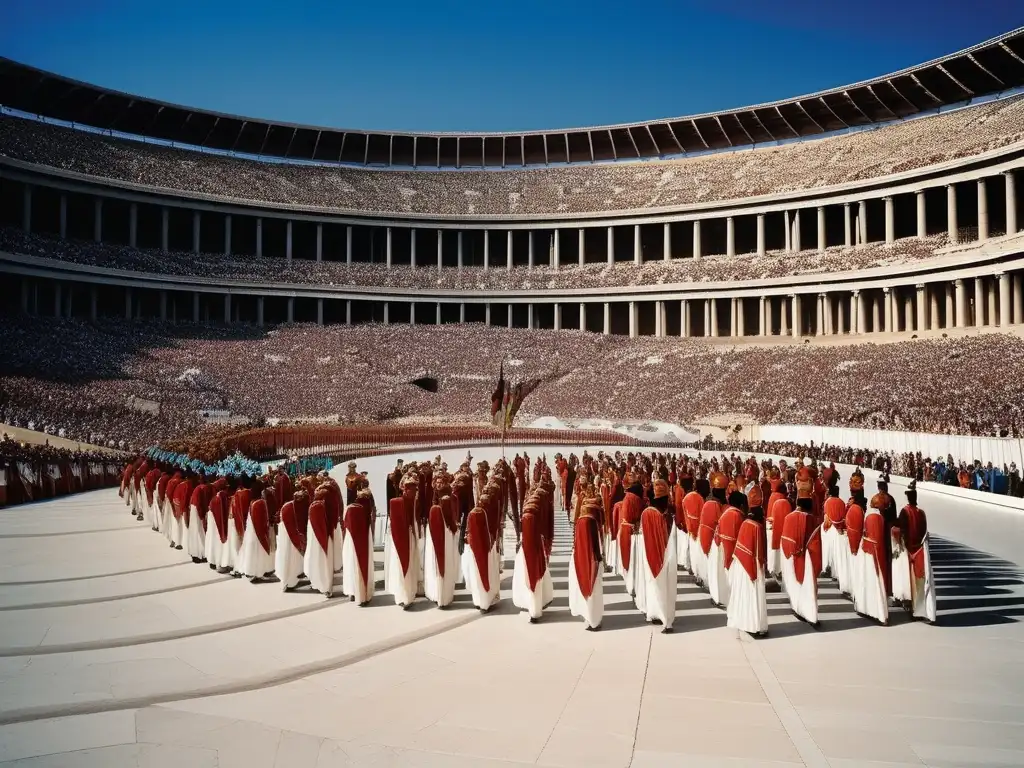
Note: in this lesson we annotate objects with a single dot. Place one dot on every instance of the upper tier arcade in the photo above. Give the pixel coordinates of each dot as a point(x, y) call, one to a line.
point(991, 67)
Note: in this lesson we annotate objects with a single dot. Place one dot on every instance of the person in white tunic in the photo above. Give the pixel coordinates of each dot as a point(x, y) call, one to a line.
point(748, 605)
point(871, 592)
point(257, 555)
point(291, 540)
point(358, 577)
point(530, 565)
point(801, 557)
point(659, 568)
point(318, 562)
point(478, 567)
point(912, 563)
point(218, 554)
point(401, 557)
point(835, 547)
point(195, 543)
point(586, 587)
point(438, 571)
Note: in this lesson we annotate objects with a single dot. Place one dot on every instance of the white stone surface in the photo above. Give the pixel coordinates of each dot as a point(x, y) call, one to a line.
point(343, 685)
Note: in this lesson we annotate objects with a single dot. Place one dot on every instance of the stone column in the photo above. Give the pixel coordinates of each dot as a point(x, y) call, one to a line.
point(195, 306)
point(412, 313)
point(529, 250)
point(610, 246)
point(508, 251)
point(933, 307)
point(819, 325)
point(789, 232)
point(638, 253)
point(487, 249)
point(1018, 298)
point(922, 217)
point(458, 250)
point(784, 315)
point(583, 316)
point(830, 329)
point(992, 316)
point(730, 236)
point(259, 238)
point(876, 314)
point(861, 324)
point(440, 250)
point(760, 235)
point(487, 314)
point(462, 312)
point(227, 237)
point(887, 301)
point(684, 318)
point(437, 313)
point(922, 309)
point(387, 245)
point(714, 317)
point(961, 303)
point(982, 210)
point(348, 311)
point(762, 323)
point(196, 232)
point(740, 320)
point(348, 244)
point(558, 317)
point(696, 238)
point(632, 320)
point(862, 223)
point(133, 225)
point(908, 313)
point(529, 316)
point(97, 220)
point(412, 248)
point(979, 302)
point(1005, 308)
point(227, 308)
point(259, 311)
point(320, 311)
point(1011, 203)
point(732, 316)
point(556, 250)
point(291, 310)
point(666, 241)
point(581, 256)
point(950, 306)
point(510, 316)
point(797, 245)
point(607, 314)
point(890, 220)
point(952, 227)
point(164, 229)
point(796, 314)
point(63, 216)
point(847, 226)
point(707, 317)
point(840, 327)
point(822, 239)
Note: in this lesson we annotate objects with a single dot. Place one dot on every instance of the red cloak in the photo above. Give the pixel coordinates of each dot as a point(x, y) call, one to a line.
point(358, 530)
point(240, 510)
point(479, 538)
point(693, 503)
point(289, 519)
point(800, 538)
point(219, 510)
point(913, 525)
point(401, 524)
point(750, 547)
point(201, 501)
point(854, 526)
point(533, 549)
point(780, 511)
point(318, 522)
point(283, 488)
point(586, 553)
point(169, 489)
point(678, 497)
point(259, 519)
point(728, 531)
point(873, 545)
point(180, 500)
point(652, 524)
point(450, 512)
point(709, 515)
point(437, 527)
point(835, 513)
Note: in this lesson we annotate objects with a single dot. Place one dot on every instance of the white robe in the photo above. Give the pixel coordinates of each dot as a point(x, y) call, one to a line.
point(900, 570)
point(906, 586)
point(234, 546)
point(256, 561)
point(748, 605)
point(828, 544)
point(869, 596)
point(841, 561)
point(774, 555)
point(803, 598)
point(611, 554)
point(168, 523)
point(437, 588)
point(638, 568)
point(339, 546)
point(216, 552)
point(590, 609)
point(318, 564)
point(698, 562)
point(682, 548)
point(287, 559)
point(718, 577)
point(195, 539)
point(352, 582)
point(660, 590)
point(529, 600)
point(402, 585)
point(482, 599)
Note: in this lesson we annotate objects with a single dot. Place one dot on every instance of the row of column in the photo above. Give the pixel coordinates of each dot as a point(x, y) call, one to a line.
point(855, 230)
point(995, 300)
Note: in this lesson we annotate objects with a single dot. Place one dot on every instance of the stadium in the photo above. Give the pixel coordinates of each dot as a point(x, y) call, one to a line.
point(829, 286)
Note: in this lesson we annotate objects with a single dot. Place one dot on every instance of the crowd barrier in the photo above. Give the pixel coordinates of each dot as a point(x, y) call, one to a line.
point(998, 450)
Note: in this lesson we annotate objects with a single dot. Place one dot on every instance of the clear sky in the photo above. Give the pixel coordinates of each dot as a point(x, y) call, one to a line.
point(489, 64)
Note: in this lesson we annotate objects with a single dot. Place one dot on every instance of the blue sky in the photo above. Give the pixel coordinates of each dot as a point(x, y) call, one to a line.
point(486, 65)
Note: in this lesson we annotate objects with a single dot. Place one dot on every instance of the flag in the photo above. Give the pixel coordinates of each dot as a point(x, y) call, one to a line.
point(498, 398)
point(519, 394)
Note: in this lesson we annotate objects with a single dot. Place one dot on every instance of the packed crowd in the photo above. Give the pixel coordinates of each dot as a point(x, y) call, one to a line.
point(889, 149)
point(34, 471)
point(776, 264)
point(965, 472)
point(146, 382)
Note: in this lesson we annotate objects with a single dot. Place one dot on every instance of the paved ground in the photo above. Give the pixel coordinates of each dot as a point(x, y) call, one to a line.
point(116, 652)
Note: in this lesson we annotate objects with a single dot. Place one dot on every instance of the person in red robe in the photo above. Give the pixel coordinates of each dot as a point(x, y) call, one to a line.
point(725, 541)
point(833, 534)
point(659, 568)
point(911, 565)
point(747, 609)
point(291, 539)
point(530, 566)
point(709, 514)
point(629, 521)
point(358, 577)
point(871, 594)
point(586, 588)
point(801, 550)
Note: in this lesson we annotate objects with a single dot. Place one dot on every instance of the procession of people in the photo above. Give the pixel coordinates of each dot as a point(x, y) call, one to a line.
point(740, 528)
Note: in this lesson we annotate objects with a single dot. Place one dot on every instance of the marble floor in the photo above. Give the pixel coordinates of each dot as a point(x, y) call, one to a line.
point(116, 650)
